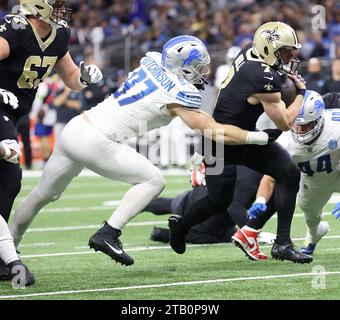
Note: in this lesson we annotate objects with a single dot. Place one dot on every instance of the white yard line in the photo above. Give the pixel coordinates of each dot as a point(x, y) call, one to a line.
point(167, 285)
point(93, 226)
point(148, 248)
point(32, 245)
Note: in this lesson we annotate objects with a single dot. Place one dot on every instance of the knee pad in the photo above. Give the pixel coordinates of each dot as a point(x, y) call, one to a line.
point(47, 194)
point(158, 182)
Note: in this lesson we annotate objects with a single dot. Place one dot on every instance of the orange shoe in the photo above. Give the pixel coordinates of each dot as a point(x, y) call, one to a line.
point(246, 240)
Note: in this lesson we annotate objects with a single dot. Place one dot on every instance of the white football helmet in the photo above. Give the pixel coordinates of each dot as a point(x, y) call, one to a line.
point(312, 110)
point(188, 57)
point(52, 12)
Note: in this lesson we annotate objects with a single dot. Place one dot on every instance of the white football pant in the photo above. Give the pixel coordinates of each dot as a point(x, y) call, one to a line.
point(311, 199)
point(83, 145)
point(8, 253)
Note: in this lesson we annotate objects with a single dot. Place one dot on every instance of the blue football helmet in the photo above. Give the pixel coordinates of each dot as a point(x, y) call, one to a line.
point(312, 110)
point(187, 57)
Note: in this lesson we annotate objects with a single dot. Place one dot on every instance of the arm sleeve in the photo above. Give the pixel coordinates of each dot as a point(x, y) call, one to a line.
point(266, 82)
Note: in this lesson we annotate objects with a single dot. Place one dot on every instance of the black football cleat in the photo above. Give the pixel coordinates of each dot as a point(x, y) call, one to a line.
point(288, 251)
point(160, 234)
point(106, 240)
point(21, 276)
point(5, 272)
point(177, 234)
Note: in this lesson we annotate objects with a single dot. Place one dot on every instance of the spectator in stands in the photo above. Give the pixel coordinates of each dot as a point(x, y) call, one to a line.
point(315, 79)
point(68, 106)
point(333, 84)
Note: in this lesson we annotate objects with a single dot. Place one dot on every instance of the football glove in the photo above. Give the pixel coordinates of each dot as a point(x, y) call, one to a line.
point(273, 134)
point(336, 211)
point(197, 169)
point(12, 145)
point(257, 208)
point(89, 74)
point(9, 98)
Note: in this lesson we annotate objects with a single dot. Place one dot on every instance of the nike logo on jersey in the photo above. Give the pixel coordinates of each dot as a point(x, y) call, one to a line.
point(269, 78)
point(114, 249)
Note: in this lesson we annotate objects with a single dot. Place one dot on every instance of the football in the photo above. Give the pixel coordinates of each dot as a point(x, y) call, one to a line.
point(288, 90)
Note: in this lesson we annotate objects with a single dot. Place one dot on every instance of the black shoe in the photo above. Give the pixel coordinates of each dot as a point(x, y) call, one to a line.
point(106, 240)
point(177, 234)
point(5, 273)
point(288, 251)
point(20, 275)
point(160, 234)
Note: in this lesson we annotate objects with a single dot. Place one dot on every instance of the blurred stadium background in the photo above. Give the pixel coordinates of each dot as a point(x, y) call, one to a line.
point(115, 34)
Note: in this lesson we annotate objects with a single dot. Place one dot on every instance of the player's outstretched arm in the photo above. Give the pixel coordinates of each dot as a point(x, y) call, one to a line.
point(201, 121)
point(264, 193)
point(77, 78)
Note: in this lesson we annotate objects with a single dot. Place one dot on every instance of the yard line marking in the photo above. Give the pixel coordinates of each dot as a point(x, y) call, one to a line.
point(43, 244)
point(173, 284)
point(93, 226)
point(147, 248)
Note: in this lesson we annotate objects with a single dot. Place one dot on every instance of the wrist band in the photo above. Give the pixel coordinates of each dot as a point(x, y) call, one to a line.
point(82, 83)
point(300, 91)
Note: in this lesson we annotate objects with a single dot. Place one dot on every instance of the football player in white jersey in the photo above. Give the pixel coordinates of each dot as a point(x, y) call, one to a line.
point(162, 87)
point(314, 144)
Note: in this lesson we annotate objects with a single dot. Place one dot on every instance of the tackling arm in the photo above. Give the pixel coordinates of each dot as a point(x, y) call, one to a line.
point(4, 48)
point(206, 125)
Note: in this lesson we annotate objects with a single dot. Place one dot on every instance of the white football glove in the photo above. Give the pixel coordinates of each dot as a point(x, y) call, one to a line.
point(89, 74)
point(197, 170)
point(10, 144)
point(9, 98)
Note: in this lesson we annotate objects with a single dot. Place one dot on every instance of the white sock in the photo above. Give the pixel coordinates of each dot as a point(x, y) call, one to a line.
point(7, 250)
point(134, 201)
point(25, 213)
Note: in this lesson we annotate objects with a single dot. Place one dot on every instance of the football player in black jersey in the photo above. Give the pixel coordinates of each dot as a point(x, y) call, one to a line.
point(32, 43)
point(252, 87)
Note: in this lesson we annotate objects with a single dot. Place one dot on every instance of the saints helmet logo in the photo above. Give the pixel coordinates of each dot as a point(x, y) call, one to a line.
point(271, 35)
point(268, 86)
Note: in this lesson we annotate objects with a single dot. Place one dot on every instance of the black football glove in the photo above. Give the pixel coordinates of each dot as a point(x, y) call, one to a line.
point(273, 134)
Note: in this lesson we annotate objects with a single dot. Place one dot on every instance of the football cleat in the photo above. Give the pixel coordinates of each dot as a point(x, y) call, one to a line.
point(160, 234)
point(246, 240)
point(106, 240)
point(177, 234)
point(289, 252)
point(5, 272)
point(21, 276)
point(310, 245)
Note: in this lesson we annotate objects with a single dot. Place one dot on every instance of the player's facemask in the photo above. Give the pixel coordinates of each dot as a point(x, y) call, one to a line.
point(61, 16)
point(286, 60)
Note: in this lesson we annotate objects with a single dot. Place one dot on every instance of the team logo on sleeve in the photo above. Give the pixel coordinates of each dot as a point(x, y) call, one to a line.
point(3, 28)
point(268, 86)
point(271, 35)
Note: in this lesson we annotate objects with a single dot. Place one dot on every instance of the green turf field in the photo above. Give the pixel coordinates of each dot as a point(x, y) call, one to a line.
point(55, 249)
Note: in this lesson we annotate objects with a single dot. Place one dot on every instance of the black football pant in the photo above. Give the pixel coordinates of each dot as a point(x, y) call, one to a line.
point(270, 159)
point(10, 174)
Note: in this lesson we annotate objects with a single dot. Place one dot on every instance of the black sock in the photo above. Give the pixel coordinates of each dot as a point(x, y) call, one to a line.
point(159, 206)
